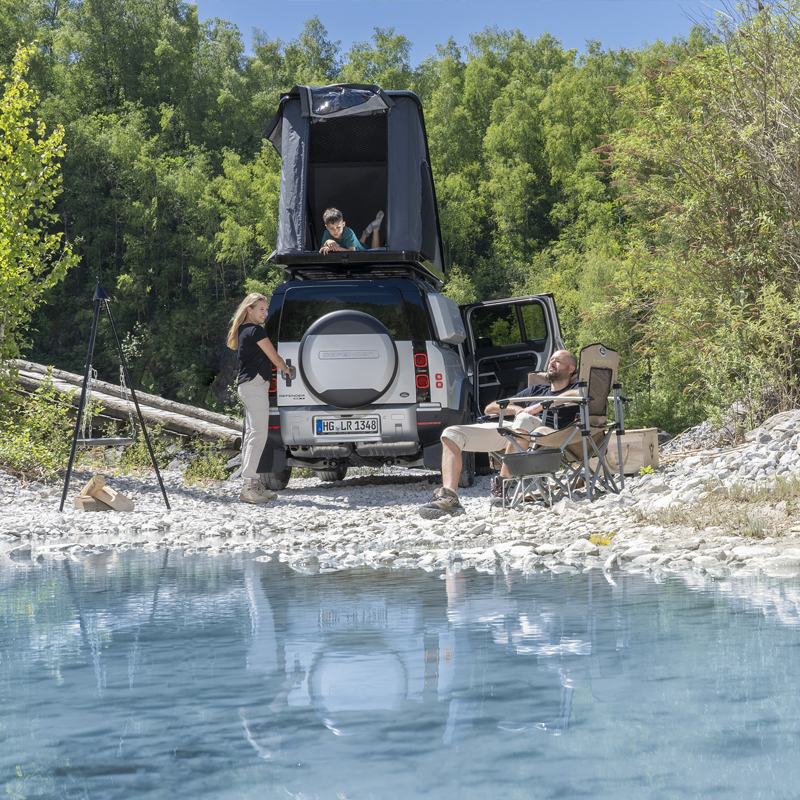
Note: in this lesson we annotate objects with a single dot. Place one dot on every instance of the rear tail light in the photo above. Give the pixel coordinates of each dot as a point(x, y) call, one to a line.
point(273, 384)
point(421, 377)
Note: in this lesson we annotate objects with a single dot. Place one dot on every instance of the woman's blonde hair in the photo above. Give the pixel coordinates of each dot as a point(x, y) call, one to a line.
point(239, 317)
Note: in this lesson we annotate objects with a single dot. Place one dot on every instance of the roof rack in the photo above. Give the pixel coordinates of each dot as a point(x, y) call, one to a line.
point(355, 263)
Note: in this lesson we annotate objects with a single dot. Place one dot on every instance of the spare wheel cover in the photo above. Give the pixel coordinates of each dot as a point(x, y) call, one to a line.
point(348, 359)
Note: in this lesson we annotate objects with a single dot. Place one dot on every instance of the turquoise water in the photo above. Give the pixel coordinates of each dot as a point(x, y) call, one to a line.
point(159, 675)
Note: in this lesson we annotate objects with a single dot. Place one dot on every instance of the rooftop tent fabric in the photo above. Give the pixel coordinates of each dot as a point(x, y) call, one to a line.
point(362, 150)
point(341, 101)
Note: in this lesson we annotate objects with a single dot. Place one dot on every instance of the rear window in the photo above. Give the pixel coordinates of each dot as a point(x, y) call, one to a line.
point(401, 312)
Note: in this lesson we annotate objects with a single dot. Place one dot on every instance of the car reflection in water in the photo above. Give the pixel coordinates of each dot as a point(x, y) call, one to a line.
point(427, 668)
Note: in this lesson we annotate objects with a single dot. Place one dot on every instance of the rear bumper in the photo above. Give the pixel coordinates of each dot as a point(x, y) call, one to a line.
point(299, 426)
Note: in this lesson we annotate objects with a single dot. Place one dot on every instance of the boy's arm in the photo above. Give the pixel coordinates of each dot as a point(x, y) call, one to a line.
point(331, 245)
point(347, 241)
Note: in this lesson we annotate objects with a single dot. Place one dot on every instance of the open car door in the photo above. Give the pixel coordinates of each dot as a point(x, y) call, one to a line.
point(506, 340)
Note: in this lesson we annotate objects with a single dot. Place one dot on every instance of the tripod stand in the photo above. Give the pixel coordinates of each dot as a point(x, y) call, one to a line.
point(101, 297)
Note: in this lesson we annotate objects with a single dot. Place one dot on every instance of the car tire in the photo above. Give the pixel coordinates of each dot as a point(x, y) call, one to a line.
point(467, 476)
point(337, 474)
point(276, 481)
point(482, 465)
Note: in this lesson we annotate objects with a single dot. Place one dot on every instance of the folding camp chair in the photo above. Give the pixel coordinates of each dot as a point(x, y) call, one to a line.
point(583, 445)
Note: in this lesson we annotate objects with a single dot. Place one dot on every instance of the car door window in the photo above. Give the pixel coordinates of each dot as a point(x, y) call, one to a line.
point(534, 322)
point(496, 326)
point(511, 339)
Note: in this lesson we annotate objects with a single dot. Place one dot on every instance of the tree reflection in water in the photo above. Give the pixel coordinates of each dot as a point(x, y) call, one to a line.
point(159, 674)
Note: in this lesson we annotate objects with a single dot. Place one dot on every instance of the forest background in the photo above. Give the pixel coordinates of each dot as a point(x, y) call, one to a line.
point(655, 192)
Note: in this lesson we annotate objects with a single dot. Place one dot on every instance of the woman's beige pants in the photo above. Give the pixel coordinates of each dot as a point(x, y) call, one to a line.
point(255, 396)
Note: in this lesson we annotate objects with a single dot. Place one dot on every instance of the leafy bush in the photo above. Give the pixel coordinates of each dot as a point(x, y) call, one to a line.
point(137, 454)
point(35, 433)
point(205, 460)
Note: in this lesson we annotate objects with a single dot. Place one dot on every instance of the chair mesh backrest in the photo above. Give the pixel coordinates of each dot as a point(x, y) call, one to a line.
point(598, 367)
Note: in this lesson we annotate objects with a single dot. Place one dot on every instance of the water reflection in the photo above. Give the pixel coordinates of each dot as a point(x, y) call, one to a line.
point(159, 675)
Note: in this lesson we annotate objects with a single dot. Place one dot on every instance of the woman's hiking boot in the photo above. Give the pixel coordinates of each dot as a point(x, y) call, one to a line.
point(253, 491)
point(444, 503)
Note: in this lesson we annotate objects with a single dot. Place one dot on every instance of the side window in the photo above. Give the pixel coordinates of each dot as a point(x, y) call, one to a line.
point(534, 322)
point(499, 325)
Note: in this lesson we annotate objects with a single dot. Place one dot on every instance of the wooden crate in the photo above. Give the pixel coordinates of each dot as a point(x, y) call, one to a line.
point(639, 450)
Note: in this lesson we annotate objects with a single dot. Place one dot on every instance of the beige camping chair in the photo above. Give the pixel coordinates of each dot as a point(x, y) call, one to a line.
point(583, 445)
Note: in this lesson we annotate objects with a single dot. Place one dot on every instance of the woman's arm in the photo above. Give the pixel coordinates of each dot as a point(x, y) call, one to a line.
point(272, 354)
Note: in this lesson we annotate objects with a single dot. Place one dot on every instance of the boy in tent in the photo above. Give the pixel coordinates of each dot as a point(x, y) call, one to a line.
point(338, 236)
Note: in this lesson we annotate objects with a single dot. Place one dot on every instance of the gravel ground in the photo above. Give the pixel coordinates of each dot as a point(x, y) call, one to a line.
point(679, 519)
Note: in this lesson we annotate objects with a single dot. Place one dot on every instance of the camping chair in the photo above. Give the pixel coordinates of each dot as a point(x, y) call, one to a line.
point(584, 444)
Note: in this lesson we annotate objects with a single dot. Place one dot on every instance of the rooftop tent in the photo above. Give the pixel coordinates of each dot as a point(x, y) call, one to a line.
point(362, 150)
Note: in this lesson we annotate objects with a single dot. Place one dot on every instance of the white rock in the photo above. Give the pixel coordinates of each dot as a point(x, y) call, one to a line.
point(645, 560)
point(548, 549)
point(751, 551)
point(583, 546)
point(635, 552)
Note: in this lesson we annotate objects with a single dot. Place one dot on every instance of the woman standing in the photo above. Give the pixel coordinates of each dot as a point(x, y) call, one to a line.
point(256, 356)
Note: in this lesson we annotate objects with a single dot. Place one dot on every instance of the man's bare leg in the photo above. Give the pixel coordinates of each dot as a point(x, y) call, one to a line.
point(452, 464)
point(524, 443)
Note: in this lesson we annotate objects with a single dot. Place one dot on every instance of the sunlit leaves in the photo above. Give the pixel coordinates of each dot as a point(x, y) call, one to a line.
point(32, 258)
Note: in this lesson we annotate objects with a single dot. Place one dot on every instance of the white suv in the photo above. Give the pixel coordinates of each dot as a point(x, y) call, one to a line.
point(384, 365)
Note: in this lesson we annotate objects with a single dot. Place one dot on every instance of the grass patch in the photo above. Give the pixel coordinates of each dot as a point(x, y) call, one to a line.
point(754, 510)
point(204, 461)
point(137, 455)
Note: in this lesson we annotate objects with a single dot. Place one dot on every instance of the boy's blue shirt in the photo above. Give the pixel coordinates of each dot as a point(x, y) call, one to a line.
point(347, 240)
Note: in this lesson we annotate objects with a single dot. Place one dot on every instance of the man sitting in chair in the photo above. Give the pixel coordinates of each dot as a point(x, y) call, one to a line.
point(482, 437)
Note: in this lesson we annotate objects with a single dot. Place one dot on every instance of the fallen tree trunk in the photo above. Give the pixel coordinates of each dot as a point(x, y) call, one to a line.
point(218, 428)
point(117, 391)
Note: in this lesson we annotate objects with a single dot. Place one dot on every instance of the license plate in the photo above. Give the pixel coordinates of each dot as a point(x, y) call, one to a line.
point(326, 426)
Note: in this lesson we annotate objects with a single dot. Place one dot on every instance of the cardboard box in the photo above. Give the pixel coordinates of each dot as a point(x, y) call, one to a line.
point(111, 497)
point(639, 450)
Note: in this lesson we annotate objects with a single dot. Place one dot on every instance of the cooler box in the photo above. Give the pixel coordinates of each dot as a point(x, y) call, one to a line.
point(639, 450)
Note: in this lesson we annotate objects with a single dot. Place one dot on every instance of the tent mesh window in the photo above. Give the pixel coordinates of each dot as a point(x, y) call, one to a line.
point(349, 140)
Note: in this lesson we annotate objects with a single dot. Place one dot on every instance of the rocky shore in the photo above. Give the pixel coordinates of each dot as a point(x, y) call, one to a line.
point(720, 511)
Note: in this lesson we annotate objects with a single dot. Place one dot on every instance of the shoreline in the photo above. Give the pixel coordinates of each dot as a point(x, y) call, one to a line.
point(372, 520)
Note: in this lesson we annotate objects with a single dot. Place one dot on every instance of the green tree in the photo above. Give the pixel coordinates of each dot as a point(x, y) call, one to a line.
point(32, 257)
point(711, 169)
point(386, 62)
point(312, 58)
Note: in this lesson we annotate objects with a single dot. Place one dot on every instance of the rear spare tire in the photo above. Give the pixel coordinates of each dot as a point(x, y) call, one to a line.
point(348, 359)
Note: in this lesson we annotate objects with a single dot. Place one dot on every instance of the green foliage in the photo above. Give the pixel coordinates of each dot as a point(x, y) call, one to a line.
point(711, 171)
point(460, 287)
point(205, 461)
point(654, 192)
point(32, 258)
point(35, 433)
point(137, 455)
